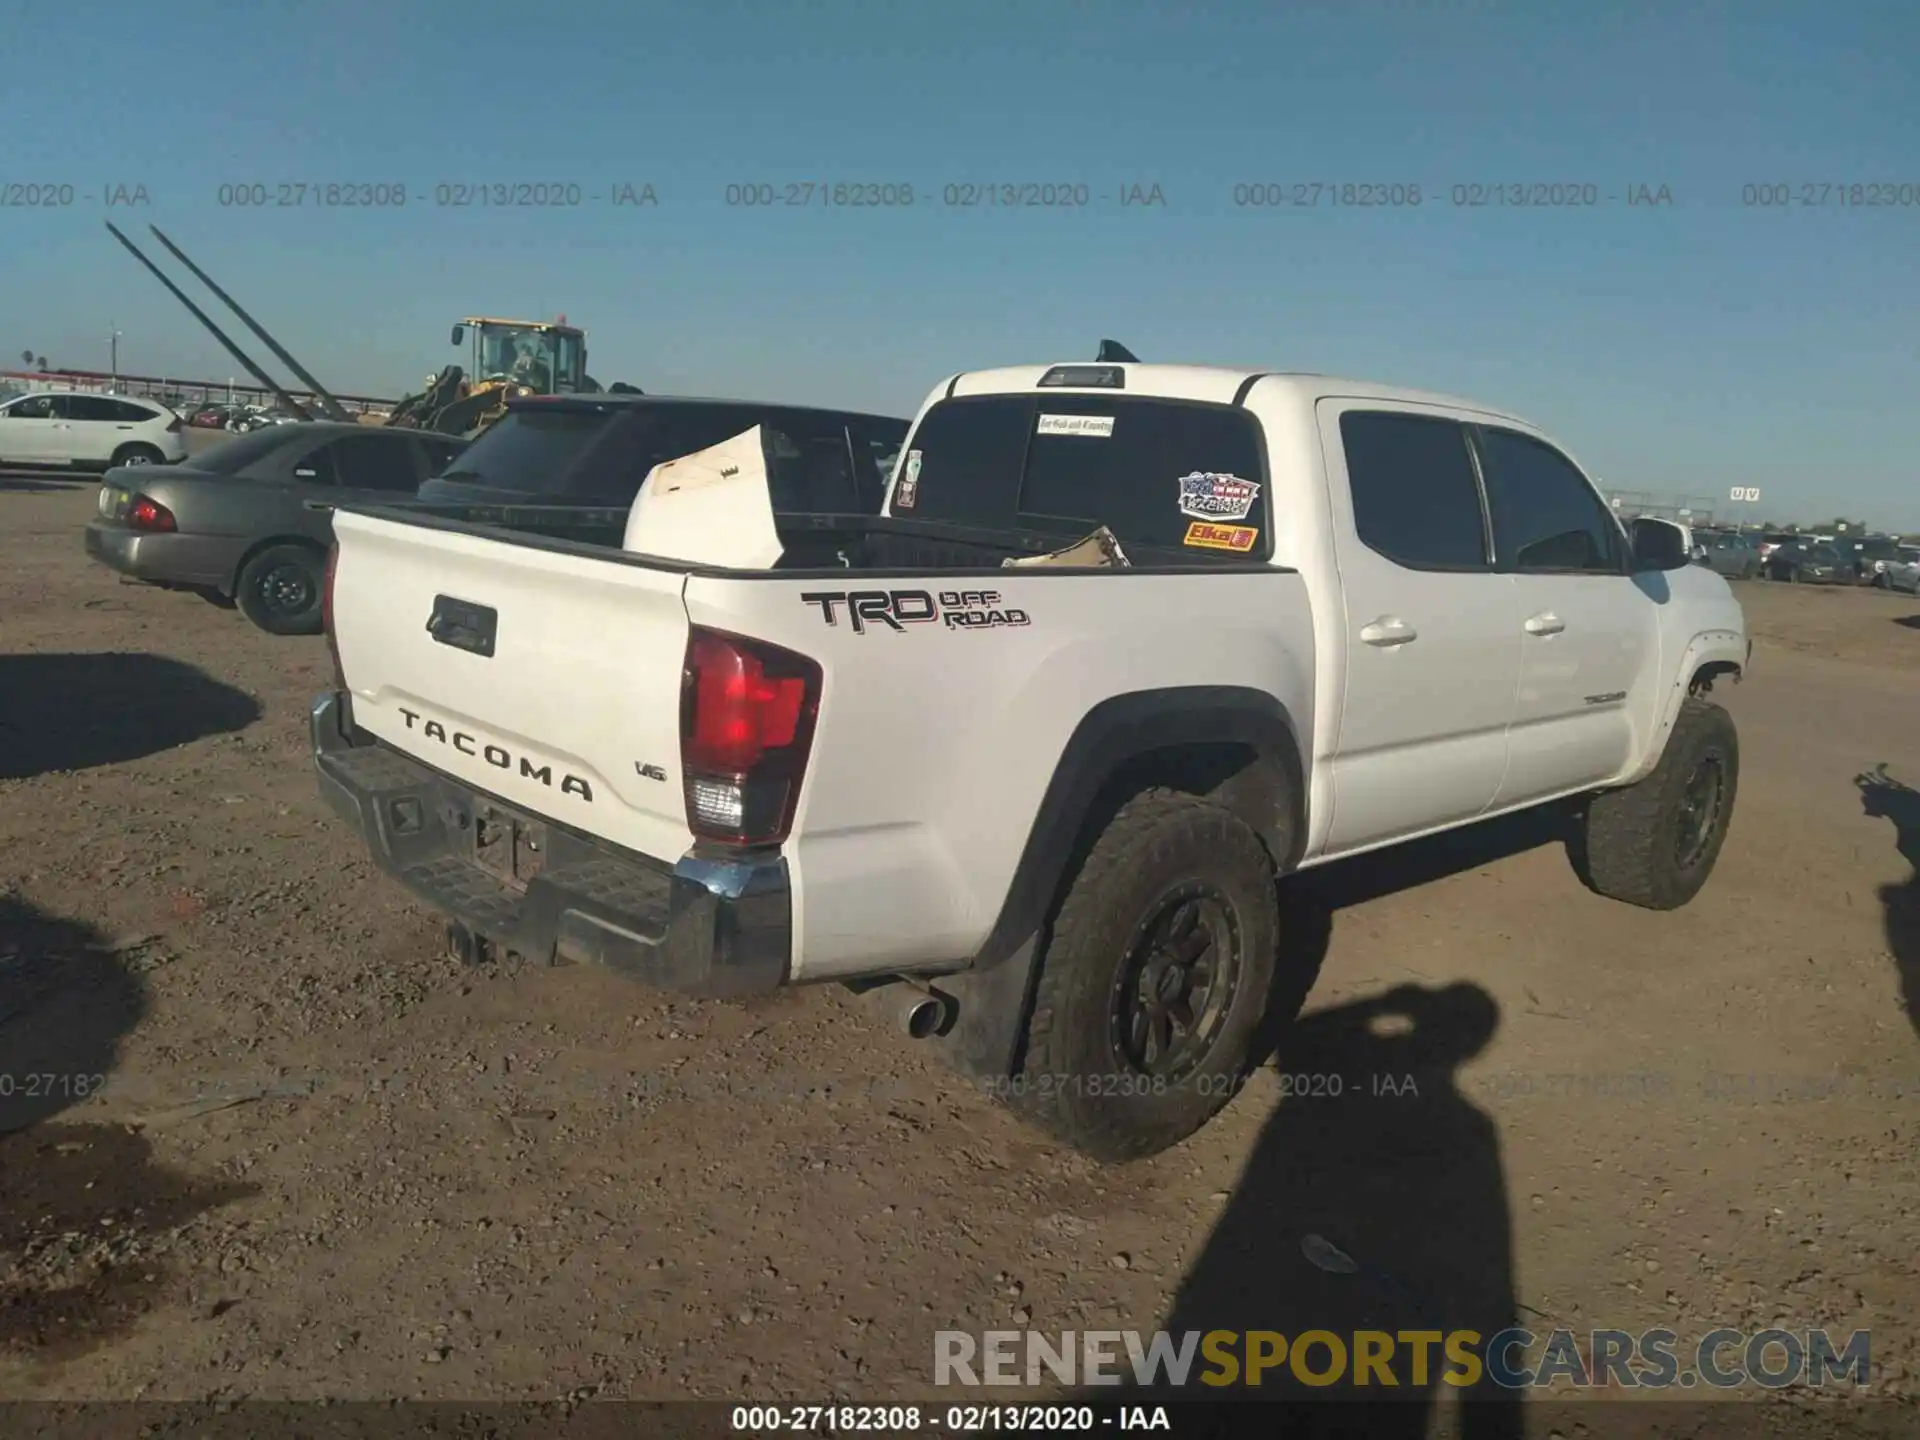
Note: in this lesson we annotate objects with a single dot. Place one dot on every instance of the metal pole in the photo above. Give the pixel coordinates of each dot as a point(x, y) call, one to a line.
point(113, 349)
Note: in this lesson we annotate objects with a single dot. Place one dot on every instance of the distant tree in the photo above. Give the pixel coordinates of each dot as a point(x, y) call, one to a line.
point(41, 364)
point(26, 357)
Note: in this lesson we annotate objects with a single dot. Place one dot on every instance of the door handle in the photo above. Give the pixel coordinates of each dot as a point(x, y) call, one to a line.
point(1388, 630)
point(1545, 623)
point(320, 505)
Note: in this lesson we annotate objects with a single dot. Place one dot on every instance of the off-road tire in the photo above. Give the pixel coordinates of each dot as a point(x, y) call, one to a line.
point(1630, 844)
point(1076, 1082)
point(260, 572)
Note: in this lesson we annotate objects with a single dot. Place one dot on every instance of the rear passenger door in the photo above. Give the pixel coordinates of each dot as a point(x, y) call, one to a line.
point(1587, 628)
point(1432, 649)
point(94, 427)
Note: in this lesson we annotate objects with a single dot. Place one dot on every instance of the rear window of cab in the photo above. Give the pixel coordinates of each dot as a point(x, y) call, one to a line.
point(1165, 475)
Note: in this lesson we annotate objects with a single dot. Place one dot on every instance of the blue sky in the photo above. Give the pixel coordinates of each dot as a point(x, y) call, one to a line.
point(1678, 348)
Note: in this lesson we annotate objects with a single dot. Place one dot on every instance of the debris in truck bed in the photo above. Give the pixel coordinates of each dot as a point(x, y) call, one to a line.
point(1099, 551)
point(713, 507)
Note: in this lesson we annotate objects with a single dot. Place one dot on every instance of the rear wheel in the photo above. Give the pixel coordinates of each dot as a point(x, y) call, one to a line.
point(1654, 844)
point(137, 454)
point(280, 590)
point(1154, 982)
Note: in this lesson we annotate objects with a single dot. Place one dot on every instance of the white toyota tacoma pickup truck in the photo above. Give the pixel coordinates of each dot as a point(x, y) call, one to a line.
point(1045, 807)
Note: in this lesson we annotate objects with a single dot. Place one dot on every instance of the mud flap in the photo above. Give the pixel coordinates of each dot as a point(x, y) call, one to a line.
point(992, 1006)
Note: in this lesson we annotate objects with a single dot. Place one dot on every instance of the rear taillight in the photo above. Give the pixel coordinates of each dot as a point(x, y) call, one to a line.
point(150, 515)
point(746, 727)
point(326, 616)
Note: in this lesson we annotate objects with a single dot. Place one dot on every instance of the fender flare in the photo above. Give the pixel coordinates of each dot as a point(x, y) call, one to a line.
point(1121, 731)
point(995, 990)
point(1708, 648)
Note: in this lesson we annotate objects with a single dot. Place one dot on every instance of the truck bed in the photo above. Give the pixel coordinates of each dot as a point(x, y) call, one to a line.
point(813, 542)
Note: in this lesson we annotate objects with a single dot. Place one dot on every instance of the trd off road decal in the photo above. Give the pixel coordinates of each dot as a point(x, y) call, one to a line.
point(907, 493)
point(1221, 537)
point(1098, 427)
point(897, 609)
point(1207, 495)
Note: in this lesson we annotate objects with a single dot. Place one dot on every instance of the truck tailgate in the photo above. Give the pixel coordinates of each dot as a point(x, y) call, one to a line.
point(548, 680)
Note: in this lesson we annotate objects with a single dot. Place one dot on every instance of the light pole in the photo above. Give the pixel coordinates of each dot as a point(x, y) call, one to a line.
point(113, 351)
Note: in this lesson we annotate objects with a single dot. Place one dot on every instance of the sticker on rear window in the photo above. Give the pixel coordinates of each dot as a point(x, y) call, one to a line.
point(1221, 537)
point(1209, 495)
point(907, 493)
point(1100, 427)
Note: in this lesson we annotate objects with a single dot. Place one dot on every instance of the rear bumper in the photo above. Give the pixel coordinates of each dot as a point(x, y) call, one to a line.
point(176, 559)
point(702, 927)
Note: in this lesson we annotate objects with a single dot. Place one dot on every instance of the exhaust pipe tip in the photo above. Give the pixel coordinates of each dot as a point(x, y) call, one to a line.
point(924, 1018)
point(916, 1007)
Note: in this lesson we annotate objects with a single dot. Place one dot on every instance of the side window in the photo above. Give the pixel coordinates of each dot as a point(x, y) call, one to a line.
point(876, 446)
point(318, 466)
point(92, 407)
point(619, 462)
point(34, 407)
point(128, 413)
point(1415, 499)
point(376, 462)
point(683, 432)
point(813, 470)
point(1545, 514)
point(437, 455)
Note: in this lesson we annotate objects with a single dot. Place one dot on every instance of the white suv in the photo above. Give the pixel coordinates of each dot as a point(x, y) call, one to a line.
point(85, 431)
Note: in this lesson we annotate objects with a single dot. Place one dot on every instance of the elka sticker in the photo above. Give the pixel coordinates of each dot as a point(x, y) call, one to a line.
point(1207, 495)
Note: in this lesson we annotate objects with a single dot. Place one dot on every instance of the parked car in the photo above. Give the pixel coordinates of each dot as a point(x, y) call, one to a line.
point(1037, 813)
point(1870, 556)
point(1729, 553)
point(249, 521)
point(1902, 572)
point(597, 450)
point(85, 431)
point(211, 417)
point(1809, 564)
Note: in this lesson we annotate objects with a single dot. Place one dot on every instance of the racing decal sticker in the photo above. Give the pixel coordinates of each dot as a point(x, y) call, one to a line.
point(907, 493)
point(1208, 495)
point(1221, 537)
point(1099, 427)
point(897, 609)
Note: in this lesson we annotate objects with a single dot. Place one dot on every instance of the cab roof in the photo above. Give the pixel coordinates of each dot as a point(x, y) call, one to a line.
point(1219, 384)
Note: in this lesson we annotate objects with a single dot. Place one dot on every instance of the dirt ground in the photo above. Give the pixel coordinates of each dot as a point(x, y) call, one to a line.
point(456, 1184)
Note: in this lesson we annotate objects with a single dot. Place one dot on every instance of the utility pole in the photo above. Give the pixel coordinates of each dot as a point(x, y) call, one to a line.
point(113, 349)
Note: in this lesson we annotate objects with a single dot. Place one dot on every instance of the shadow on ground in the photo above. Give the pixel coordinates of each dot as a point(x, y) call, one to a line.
point(72, 712)
point(1375, 1198)
point(43, 484)
point(1912, 622)
point(85, 1213)
point(1885, 798)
